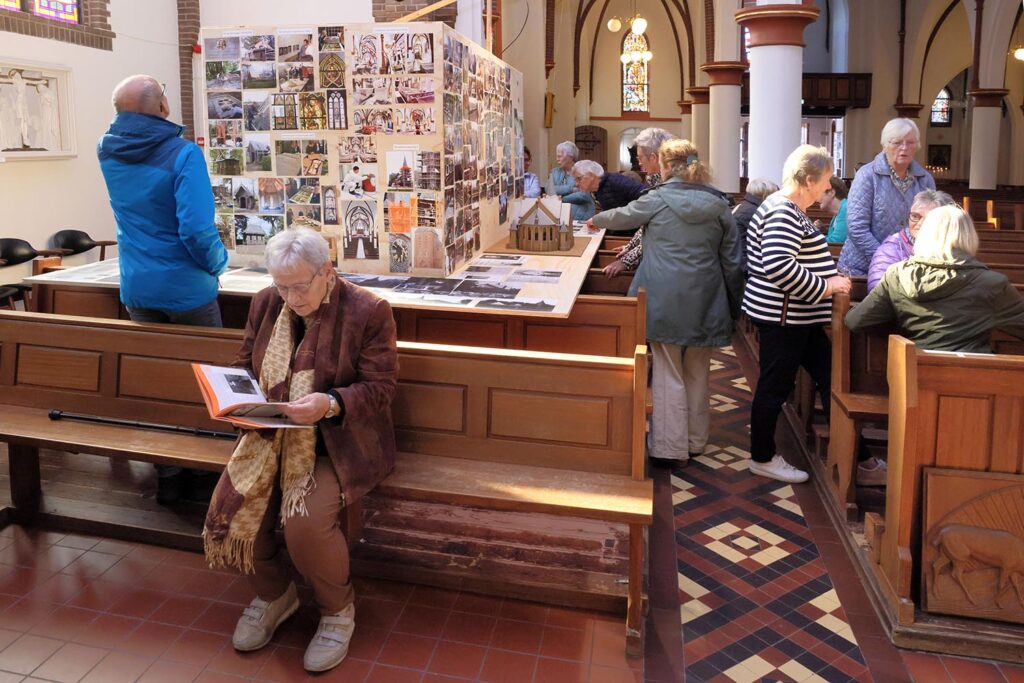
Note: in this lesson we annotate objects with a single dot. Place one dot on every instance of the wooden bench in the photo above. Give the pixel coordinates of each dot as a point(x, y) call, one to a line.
point(953, 412)
point(522, 434)
point(1009, 213)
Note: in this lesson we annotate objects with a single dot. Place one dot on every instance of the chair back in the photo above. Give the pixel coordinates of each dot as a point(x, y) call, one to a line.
point(76, 241)
point(15, 251)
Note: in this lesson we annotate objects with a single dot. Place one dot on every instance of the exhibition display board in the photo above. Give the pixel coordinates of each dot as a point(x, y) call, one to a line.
point(401, 143)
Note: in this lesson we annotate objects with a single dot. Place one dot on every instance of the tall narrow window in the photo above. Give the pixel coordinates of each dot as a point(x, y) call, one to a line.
point(942, 115)
point(10, 4)
point(635, 76)
point(61, 10)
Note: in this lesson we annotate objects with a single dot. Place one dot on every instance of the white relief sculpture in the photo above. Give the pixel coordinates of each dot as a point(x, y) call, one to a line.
point(35, 112)
point(49, 118)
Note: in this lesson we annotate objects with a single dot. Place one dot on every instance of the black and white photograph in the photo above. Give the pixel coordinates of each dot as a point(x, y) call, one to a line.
point(487, 290)
point(241, 383)
point(375, 281)
point(427, 285)
point(399, 252)
point(500, 259)
point(221, 48)
point(539, 305)
point(524, 276)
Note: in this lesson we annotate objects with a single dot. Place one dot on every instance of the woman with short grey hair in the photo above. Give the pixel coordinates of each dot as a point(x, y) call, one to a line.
point(563, 184)
point(327, 351)
point(881, 195)
point(900, 246)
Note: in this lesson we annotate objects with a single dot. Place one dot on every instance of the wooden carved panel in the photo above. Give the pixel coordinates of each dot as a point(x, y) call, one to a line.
point(972, 554)
point(598, 340)
point(529, 416)
point(434, 407)
point(59, 368)
point(593, 143)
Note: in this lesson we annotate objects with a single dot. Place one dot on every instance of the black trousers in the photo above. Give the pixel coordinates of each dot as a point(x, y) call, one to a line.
point(783, 350)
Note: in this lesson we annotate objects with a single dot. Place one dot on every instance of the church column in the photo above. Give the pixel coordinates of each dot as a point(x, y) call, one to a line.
point(776, 78)
point(700, 130)
point(726, 79)
point(986, 119)
point(686, 119)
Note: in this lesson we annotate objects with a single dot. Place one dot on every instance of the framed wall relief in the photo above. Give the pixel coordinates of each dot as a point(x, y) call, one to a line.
point(35, 111)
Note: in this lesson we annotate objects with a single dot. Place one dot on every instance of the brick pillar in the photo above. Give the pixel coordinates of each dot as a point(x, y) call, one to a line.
point(188, 36)
point(390, 10)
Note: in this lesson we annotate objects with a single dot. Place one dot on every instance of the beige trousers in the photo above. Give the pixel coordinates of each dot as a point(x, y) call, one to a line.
point(679, 382)
point(315, 544)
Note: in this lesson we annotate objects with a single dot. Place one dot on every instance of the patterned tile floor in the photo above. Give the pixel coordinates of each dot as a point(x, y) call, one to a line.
point(766, 591)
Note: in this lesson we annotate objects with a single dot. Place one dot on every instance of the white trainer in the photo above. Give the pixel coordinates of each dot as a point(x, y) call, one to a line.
point(778, 468)
point(330, 643)
point(260, 619)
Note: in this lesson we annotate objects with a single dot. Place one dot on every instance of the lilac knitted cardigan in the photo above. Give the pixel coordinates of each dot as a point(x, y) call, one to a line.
point(875, 209)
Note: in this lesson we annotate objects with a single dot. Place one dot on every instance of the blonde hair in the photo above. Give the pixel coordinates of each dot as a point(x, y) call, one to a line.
point(897, 129)
point(678, 159)
point(944, 229)
point(806, 164)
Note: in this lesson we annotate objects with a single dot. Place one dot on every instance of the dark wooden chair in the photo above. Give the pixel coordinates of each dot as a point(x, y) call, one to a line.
point(79, 242)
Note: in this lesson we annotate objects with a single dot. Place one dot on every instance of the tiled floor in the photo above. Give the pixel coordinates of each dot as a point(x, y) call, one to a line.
point(86, 609)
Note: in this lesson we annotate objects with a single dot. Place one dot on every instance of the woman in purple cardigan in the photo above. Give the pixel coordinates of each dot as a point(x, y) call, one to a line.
point(900, 247)
point(881, 195)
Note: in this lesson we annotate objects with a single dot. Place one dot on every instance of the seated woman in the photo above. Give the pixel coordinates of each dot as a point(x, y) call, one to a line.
point(562, 182)
point(328, 349)
point(834, 201)
point(942, 297)
point(900, 246)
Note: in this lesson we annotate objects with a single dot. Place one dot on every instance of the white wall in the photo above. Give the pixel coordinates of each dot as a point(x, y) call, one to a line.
point(238, 12)
point(527, 55)
point(42, 197)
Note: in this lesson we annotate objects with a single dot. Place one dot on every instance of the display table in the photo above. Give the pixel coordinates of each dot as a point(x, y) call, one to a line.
point(539, 285)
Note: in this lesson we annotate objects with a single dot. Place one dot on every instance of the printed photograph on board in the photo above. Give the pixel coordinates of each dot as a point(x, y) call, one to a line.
point(295, 77)
point(373, 90)
point(332, 70)
point(399, 168)
point(224, 105)
point(330, 194)
point(253, 232)
point(427, 251)
point(246, 195)
point(394, 52)
point(399, 252)
point(225, 162)
point(357, 149)
point(427, 175)
point(295, 47)
point(331, 39)
point(421, 54)
point(414, 90)
point(257, 152)
point(302, 190)
point(225, 134)
point(371, 121)
point(358, 181)
point(258, 48)
point(366, 54)
point(257, 75)
point(400, 211)
point(221, 48)
point(222, 76)
point(359, 236)
point(272, 195)
point(312, 111)
point(225, 224)
point(288, 157)
point(314, 157)
point(304, 216)
point(284, 111)
point(416, 121)
point(223, 194)
point(256, 106)
point(337, 119)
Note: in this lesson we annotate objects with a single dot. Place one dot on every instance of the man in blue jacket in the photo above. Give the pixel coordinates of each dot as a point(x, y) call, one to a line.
point(169, 250)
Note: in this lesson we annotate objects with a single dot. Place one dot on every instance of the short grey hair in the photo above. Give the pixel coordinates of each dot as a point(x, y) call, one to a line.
point(943, 231)
point(762, 187)
point(568, 148)
point(897, 129)
point(588, 166)
point(288, 248)
point(934, 198)
point(650, 139)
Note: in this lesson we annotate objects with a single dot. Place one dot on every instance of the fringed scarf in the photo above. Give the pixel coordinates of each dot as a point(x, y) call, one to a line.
point(243, 492)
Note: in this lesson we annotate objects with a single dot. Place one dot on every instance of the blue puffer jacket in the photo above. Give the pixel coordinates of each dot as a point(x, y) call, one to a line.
point(169, 249)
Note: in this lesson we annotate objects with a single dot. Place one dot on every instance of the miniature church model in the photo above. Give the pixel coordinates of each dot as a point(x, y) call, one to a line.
point(539, 228)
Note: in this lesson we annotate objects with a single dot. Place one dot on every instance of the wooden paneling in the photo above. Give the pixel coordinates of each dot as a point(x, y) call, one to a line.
point(432, 407)
point(160, 379)
point(964, 432)
point(58, 368)
point(596, 340)
point(92, 304)
point(450, 329)
point(531, 416)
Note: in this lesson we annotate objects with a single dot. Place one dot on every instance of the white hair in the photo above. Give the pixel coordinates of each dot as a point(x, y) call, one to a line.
point(569, 149)
point(288, 248)
point(934, 198)
point(650, 139)
point(943, 231)
point(588, 166)
point(897, 129)
point(761, 187)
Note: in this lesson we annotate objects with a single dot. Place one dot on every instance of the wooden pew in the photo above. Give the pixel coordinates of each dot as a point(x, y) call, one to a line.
point(958, 413)
point(515, 433)
point(612, 242)
point(1009, 214)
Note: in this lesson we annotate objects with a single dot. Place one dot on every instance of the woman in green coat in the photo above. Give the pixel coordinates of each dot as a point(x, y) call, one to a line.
point(694, 280)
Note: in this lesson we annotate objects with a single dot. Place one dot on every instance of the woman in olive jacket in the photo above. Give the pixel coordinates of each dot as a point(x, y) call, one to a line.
point(942, 297)
point(694, 280)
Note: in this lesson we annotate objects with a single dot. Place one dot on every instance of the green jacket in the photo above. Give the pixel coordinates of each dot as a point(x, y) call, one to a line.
point(691, 267)
point(943, 305)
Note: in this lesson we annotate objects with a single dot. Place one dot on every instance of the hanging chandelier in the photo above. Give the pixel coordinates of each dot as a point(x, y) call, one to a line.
point(637, 26)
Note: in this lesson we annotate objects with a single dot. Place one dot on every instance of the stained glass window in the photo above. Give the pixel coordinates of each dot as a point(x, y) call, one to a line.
point(635, 84)
point(10, 4)
point(942, 115)
point(61, 10)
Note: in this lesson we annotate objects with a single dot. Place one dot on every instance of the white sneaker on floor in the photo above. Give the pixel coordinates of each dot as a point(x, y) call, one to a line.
point(330, 643)
point(260, 619)
point(778, 468)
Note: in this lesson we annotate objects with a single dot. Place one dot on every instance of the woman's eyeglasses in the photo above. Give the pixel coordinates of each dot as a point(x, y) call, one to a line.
point(915, 218)
point(299, 289)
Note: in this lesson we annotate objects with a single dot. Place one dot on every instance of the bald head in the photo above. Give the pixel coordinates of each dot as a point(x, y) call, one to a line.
point(140, 94)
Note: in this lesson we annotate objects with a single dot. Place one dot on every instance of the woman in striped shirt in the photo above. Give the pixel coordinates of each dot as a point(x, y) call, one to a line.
point(789, 297)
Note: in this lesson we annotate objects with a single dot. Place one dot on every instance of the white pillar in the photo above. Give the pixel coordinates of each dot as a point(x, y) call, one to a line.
point(776, 75)
point(986, 119)
point(470, 20)
point(724, 135)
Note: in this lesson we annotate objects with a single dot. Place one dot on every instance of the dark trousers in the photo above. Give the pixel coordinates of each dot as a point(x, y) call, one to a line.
point(207, 315)
point(783, 350)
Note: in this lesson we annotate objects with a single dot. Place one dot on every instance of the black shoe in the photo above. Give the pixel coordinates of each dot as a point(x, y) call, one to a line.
point(200, 485)
point(168, 489)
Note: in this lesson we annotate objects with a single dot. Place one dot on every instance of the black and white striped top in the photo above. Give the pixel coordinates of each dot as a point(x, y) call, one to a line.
point(789, 262)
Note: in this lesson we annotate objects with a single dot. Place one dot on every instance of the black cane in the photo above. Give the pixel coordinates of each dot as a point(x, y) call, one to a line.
point(196, 431)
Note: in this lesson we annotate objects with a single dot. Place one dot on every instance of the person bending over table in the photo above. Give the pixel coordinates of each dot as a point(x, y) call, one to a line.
point(328, 349)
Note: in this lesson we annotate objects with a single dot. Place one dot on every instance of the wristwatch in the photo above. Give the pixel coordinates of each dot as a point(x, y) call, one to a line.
point(333, 407)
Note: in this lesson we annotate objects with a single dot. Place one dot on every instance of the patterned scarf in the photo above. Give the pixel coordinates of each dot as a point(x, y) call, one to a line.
point(243, 492)
point(902, 184)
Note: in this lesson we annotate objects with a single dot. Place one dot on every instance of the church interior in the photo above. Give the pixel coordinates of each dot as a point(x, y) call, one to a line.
point(526, 528)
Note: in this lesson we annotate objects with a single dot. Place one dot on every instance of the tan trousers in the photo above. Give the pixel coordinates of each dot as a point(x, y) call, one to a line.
point(316, 545)
point(679, 382)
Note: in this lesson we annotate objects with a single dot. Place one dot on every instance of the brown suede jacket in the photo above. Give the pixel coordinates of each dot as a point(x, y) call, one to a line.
point(357, 356)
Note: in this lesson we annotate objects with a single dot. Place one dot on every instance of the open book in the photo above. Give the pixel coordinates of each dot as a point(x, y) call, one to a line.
point(234, 395)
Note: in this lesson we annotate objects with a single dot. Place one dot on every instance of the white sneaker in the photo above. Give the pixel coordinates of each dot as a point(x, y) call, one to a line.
point(260, 619)
point(778, 468)
point(330, 643)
